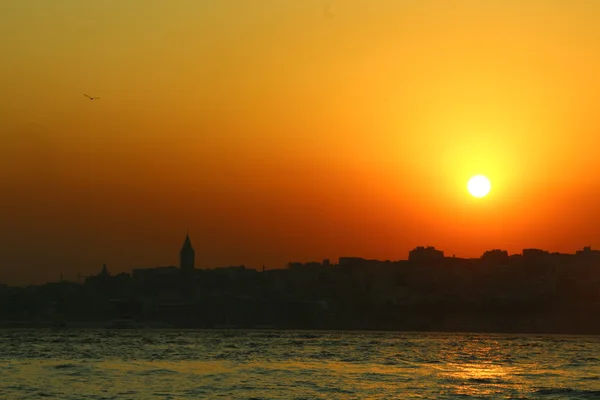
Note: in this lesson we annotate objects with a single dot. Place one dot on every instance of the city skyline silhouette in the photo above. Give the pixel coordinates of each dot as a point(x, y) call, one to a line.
point(533, 292)
point(195, 262)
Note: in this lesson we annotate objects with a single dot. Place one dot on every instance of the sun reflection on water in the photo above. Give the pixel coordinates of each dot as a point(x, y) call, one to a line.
point(483, 378)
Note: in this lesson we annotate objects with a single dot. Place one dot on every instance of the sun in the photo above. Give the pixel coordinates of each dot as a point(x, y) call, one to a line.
point(479, 186)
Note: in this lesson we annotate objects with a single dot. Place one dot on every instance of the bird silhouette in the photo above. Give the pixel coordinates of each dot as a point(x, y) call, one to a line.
point(327, 11)
point(90, 97)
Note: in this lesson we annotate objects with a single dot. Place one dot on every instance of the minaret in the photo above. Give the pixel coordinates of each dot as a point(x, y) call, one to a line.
point(186, 255)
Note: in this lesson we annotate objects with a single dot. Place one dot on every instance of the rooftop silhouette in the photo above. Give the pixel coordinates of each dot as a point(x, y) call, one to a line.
point(535, 291)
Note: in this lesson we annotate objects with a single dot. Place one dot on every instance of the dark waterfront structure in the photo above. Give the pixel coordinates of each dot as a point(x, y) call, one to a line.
point(187, 255)
point(425, 254)
point(536, 291)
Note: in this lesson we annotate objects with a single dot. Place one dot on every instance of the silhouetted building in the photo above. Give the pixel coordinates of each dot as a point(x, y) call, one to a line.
point(587, 252)
point(186, 256)
point(296, 266)
point(534, 254)
point(495, 257)
point(158, 276)
point(99, 279)
point(108, 284)
point(351, 261)
point(421, 253)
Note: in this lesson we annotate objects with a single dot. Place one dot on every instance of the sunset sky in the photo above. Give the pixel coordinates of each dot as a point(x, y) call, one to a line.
point(293, 130)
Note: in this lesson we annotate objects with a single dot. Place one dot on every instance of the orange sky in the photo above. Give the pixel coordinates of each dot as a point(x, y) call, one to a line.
point(276, 132)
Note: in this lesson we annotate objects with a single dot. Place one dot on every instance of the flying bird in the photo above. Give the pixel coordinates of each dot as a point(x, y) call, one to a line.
point(90, 97)
point(327, 11)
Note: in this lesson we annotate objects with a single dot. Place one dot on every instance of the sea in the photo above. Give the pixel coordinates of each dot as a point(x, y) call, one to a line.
point(239, 364)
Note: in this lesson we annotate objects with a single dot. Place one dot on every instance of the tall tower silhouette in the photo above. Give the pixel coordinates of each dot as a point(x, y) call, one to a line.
point(186, 255)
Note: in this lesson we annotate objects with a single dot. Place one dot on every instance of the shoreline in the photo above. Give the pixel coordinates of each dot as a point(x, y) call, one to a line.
point(156, 326)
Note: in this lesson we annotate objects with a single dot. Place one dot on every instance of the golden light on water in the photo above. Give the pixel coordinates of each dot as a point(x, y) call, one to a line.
point(485, 379)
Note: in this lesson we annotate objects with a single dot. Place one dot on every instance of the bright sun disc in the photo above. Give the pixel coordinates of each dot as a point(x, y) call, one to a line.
point(479, 186)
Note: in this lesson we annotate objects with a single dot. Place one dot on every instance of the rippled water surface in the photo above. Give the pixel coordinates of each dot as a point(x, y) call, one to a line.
point(148, 364)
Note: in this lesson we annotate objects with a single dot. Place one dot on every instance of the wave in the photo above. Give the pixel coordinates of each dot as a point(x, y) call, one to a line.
point(158, 371)
point(590, 378)
point(488, 381)
point(572, 393)
point(65, 366)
